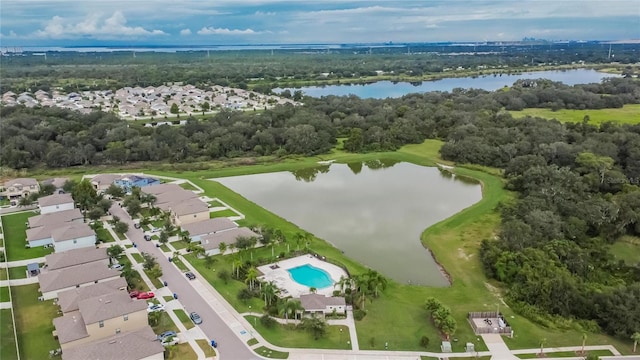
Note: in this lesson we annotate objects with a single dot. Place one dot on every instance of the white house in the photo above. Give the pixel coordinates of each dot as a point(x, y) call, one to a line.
point(324, 305)
point(59, 217)
point(62, 236)
point(54, 203)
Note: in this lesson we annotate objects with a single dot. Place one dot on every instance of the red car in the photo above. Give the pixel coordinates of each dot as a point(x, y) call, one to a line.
point(146, 295)
point(134, 293)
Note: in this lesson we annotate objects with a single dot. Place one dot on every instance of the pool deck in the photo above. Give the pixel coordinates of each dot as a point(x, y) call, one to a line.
point(289, 287)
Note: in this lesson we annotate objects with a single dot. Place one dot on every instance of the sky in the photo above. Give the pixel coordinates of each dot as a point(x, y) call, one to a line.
point(220, 22)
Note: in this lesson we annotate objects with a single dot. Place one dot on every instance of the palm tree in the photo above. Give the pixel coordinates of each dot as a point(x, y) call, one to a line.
point(375, 280)
point(222, 247)
point(542, 341)
point(269, 290)
point(185, 236)
point(252, 275)
point(235, 266)
point(295, 306)
point(313, 290)
point(232, 247)
point(636, 339)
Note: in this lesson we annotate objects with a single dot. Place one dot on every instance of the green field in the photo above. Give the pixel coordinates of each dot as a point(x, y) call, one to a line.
point(104, 235)
point(4, 294)
point(7, 338)
point(18, 272)
point(289, 336)
point(222, 213)
point(3, 274)
point(628, 114)
point(564, 354)
point(164, 324)
point(209, 352)
point(188, 186)
point(184, 318)
point(268, 353)
point(182, 352)
point(14, 235)
point(627, 249)
point(33, 322)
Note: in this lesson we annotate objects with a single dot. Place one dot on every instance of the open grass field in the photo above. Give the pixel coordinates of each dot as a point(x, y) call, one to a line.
point(627, 249)
point(33, 322)
point(188, 186)
point(14, 235)
point(8, 349)
point(222, 213)
point(628, 114)
point(268, 353)
point(3, 274)
point(209, 352)
point(18, 272)
point(184, 318)
point(289, 336)
point(181, 352)
point(4, 294)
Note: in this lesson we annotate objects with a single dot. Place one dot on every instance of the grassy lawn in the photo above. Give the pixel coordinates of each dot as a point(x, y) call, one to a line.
point(3, 274)
point(164, 324)
point(4, 294)
point(252, 341)
point(179, 244)
point(121, 236)
point(164, 248)
point(104, 235)
point(179, 264)
point(628, 114)
point(128, 246)
point(291, 337)
point(139, 284)
point(14, 234)
point(168, 298)
point(184, 318)
point(188, 186)
point(7, 339)
point(209, 352)
point(157, 223)
point(268, 353)
point(627, 249)
point(18, 272)
point(215, 203)
point(138, 258)
point(564, 354)
point(182, 351)
point(154, 280)
point(222, 213)
point(33, 322)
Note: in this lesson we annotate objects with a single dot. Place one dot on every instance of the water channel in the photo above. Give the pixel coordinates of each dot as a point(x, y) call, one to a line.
point(374, 212)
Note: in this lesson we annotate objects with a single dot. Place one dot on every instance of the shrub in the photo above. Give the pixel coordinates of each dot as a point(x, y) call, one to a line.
point(359, 314)
point(268, 321)
point(424, 341)
point(245, 294)
point(224, 275)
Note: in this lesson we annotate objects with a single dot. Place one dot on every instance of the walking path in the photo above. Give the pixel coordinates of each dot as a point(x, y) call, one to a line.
point(22, 262)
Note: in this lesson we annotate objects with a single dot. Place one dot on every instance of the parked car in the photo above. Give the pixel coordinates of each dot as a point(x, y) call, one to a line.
point(146, 295)
point(195, 318)
point(169, 341)
point(118, 267)
point(155, 307)
point(190, 275)
point(167, 334)
point(134, 293)
point(137, 225)
point(147, 237)
point(155, 229)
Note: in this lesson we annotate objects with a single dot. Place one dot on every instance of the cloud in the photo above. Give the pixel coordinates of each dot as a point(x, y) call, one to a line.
point(225, 31)
point(185, 32)
point(93, 26)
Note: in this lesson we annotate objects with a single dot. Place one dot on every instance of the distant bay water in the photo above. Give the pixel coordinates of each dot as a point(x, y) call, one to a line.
point(389, 89)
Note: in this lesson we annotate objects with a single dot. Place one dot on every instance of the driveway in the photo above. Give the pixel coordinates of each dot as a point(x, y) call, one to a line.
point(230, 346)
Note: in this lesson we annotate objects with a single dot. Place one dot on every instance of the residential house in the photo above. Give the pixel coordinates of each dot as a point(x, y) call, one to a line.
point(100, 317)
point(128, 182)
point(210, 226)
point(63, 237)
point(184, 206)
point(140, 344)
point(53, 282)
point(55, 202)
point(58, 183)
point(96, 256)
point(60, 217)
point(103, 181)
point(22, 187)
point(162, 188)
point(68, 300)
point(211, 242)
point(189, 211)
point(316, 304)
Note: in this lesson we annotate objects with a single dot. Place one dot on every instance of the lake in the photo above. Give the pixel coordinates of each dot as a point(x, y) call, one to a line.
point(374, 212)
point(385, 89)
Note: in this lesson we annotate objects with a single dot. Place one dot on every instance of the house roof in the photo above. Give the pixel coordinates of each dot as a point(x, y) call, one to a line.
point(58, 183)
point(33, 267)
point(103, 179)
point(317, 302)
point(75, 257)
point(209, 226)
point(70, 327)
point(72, 231)
point(109, 306)
point(74, 275)
point(212, 241)
point(162, 188)
point(41, 232)
point(133, 345)
point(55, 199)
point(189, 206)
point(58, 217)
point(171, 198)
point(21, 182)
point(68, 300)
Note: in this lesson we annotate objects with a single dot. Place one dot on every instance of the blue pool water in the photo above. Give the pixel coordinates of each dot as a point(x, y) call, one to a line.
point(310, 276)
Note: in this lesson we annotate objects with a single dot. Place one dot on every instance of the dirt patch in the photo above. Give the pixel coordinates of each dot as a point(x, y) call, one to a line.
point(463, 255)
point(496, 293)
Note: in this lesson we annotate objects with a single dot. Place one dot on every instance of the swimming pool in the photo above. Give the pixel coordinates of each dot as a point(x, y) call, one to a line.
point(311, 276)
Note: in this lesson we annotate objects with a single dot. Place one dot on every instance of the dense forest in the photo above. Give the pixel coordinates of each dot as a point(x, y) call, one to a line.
point(263, 70)
point(577, 184)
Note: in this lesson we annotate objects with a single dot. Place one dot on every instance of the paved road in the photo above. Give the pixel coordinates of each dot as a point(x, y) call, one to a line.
point(230, 346)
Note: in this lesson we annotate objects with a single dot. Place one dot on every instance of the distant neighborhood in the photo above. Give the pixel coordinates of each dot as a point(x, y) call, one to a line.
point(133, 103)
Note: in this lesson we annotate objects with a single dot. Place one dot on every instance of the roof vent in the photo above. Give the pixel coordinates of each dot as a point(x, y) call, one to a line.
point(112, 342)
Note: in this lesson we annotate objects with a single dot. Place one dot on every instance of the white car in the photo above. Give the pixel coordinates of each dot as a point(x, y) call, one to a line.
point(118, 267)
point(171, 340)
point(154, 307)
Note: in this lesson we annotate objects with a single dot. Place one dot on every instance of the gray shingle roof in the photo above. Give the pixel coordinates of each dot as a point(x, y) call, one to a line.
point(109, 306)
point(105, 179)
point(189, 206)
point(75, 275)
point(68, 300)
point(70, 327)
point(317, 302)
point(174, 197)
point(162, 188)
point(209, 226)
point(58, 217)
point(72, 231)
point(133, 345)
point(74, 257)
point(21, 182)
point(58, 183)
point(55, 199)
point(212, 241)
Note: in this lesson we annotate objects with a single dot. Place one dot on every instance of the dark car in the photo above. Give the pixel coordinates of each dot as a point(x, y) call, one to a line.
point(134, 293)
point(147, 237)
point(166, 334)
point(190, 275)
point(136, 225)
point(195, 318)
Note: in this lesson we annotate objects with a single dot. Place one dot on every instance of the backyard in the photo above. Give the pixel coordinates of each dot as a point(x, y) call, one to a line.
point(34, 324)
point(7, 338)
point(289, 336)
point(15, 227)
